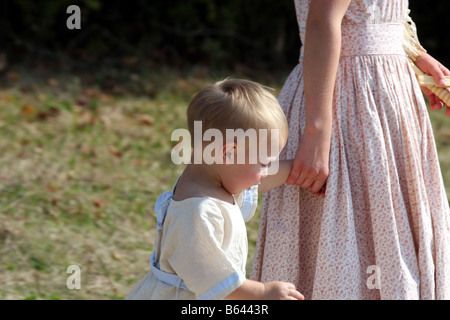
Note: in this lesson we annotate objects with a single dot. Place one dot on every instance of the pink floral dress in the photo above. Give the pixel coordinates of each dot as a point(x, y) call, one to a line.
point(383, 229)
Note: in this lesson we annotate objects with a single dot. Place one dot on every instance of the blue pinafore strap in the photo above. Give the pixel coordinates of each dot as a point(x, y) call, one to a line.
point(161, 205)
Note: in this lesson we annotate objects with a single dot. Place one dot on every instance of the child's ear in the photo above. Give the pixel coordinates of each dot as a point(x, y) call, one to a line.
point(228, 153)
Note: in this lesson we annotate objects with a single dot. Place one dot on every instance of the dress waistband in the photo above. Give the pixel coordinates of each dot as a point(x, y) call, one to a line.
point(372, 39)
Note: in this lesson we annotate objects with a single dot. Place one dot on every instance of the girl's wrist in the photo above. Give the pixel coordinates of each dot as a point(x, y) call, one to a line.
point(318, 129)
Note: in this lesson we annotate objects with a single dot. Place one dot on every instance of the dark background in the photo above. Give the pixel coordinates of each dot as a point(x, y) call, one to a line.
point(137, 34)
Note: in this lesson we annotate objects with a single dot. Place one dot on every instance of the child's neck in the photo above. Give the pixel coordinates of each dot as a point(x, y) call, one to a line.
point(200, 180)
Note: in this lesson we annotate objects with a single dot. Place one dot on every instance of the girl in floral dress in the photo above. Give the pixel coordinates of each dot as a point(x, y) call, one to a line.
point(365, 213)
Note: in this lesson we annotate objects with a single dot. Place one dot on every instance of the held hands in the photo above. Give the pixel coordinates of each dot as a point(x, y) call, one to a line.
point(434, 68)
point(310, 167)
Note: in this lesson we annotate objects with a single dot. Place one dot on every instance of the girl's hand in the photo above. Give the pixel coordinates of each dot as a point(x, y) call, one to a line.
point(434, 68)
point(277, 290)
point(311, 164)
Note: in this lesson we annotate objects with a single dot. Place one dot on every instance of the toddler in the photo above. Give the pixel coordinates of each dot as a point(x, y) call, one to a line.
point(201, 243)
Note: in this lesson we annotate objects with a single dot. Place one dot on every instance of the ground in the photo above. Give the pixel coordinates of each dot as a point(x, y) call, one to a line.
point(82, 161)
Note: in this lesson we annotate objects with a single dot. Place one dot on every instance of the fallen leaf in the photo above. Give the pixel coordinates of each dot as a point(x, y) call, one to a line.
point(97, 203)
point(28, 110)
point(52, 188)
point(115, 152)
point(116, 256)
point(145, 119)
point(52, 112)
point(81, 102)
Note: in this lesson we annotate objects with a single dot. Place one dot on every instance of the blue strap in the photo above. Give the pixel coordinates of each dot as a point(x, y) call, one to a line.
point(168, 278)
point(249, 202)
point(161, 207)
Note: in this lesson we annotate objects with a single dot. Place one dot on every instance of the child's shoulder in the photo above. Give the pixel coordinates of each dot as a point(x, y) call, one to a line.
point(200, 195)
point(198, 210)
point(201, 203)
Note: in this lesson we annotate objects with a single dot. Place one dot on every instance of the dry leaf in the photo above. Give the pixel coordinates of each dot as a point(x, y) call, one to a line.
point(115, 152)
point(28, 110)
point(145, 119)
point(116, 256)
point(52, 188)
point(97, 203)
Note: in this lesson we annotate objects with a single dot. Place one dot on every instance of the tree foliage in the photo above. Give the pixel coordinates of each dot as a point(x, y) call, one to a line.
point(255, 33)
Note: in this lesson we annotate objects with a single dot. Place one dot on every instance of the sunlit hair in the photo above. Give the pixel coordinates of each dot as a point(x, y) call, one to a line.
point(237, 104)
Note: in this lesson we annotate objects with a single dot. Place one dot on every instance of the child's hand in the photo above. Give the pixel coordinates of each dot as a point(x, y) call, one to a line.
point(277, 290)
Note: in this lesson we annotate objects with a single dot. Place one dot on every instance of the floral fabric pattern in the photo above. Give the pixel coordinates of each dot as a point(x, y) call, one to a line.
point(383, 229)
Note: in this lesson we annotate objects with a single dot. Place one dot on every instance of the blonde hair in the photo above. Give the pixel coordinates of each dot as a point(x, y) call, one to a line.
point(237, 104)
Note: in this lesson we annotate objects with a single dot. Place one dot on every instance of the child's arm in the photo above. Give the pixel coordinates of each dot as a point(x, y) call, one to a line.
point(272, 181)
point(275, 290)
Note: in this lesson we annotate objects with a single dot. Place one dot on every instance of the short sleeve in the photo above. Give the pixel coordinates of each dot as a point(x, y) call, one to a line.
point(247, 200)
point(197, 255)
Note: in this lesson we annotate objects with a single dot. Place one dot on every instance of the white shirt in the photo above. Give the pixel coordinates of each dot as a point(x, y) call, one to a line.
point(203, 241)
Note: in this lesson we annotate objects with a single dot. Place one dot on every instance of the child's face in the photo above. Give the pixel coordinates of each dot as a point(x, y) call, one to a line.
point(246, 172)
point(249, 174)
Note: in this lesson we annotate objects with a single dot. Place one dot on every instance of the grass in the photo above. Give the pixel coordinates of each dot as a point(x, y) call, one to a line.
point(80, 169)
point(81, 166)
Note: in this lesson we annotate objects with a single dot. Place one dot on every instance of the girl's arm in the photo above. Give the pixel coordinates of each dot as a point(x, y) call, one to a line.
point(320, 62)
point(274, 180)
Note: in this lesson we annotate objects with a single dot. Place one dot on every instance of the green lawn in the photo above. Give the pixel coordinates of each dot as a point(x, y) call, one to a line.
point(80, 169)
